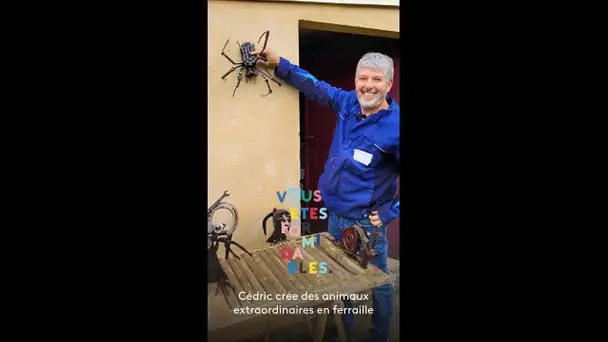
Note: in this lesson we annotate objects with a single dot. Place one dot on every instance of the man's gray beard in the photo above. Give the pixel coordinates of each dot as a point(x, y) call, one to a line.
point(374, 104)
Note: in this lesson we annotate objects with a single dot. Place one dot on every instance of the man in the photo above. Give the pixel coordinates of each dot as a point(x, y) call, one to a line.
point(358, 185)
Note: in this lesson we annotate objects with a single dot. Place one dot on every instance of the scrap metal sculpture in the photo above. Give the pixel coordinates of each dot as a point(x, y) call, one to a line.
point(355, 241)
point(217, 234)
point(278, 217)
point(249, 63)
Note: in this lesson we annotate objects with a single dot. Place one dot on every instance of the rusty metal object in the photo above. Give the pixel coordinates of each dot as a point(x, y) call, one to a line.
point(217, 234)
point(356, 243)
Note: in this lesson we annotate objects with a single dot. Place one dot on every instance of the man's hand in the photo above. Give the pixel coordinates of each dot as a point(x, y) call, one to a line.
point(272, 58)
point(375, 219)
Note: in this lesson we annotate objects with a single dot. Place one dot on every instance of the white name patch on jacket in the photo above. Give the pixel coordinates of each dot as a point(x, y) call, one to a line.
point(362, 157)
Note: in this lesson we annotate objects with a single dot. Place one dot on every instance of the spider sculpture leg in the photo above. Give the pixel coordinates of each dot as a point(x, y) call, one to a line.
point(240, 65)
point(223, 281)
point(223, 284)
point(269, 89)
point(225, 55)
point(267, 33)
point(267, 84)
point(228, 244)
point(228, 250)
point(235, 65)
point(267, 74)
point(239, 78)
point(241, 247)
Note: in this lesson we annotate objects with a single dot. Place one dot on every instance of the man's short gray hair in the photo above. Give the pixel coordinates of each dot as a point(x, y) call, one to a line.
point(379, 62)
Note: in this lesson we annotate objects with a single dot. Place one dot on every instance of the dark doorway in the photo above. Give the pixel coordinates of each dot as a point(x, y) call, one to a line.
point(332, 57)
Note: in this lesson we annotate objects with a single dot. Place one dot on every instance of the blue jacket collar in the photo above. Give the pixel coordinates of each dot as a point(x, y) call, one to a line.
point(379, 115)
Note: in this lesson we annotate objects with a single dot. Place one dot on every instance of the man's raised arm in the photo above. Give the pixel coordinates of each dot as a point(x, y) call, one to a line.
point(314, 89)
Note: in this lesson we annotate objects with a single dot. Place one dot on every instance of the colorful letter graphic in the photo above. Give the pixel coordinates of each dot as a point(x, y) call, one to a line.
point(308, 241)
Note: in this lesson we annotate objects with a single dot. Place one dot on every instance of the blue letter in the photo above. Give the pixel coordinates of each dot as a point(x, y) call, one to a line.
point(323, 215)
point(322, 268)
point(292, 268)
point(281, 198)
point(304, 211)
point(294, 197)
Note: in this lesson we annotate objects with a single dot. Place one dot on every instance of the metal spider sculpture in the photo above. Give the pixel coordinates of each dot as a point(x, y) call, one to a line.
point(217, 234)
point(249, 63)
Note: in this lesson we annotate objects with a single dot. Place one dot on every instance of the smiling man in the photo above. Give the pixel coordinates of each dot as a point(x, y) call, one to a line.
point(358, 184)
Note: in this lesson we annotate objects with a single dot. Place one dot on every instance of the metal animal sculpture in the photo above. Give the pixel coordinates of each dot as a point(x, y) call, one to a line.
point(249, 63)
point(278, 217)
point(217, 234)
point(355, 241)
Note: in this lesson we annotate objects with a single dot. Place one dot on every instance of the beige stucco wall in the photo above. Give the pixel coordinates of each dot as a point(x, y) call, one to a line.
point(253, 141)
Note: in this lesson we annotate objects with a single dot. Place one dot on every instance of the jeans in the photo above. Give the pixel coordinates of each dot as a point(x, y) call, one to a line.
point(382, 296)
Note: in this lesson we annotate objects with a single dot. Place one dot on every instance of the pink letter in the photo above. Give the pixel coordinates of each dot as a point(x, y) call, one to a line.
point(297, 254)
point(317, 196)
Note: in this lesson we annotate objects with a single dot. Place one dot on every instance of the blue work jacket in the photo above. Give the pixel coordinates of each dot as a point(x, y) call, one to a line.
point(362, 167)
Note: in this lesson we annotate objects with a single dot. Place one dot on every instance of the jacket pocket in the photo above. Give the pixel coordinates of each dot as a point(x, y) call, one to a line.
point(363, 156)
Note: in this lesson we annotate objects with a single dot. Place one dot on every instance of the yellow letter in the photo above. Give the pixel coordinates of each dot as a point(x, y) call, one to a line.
point(294, 213)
